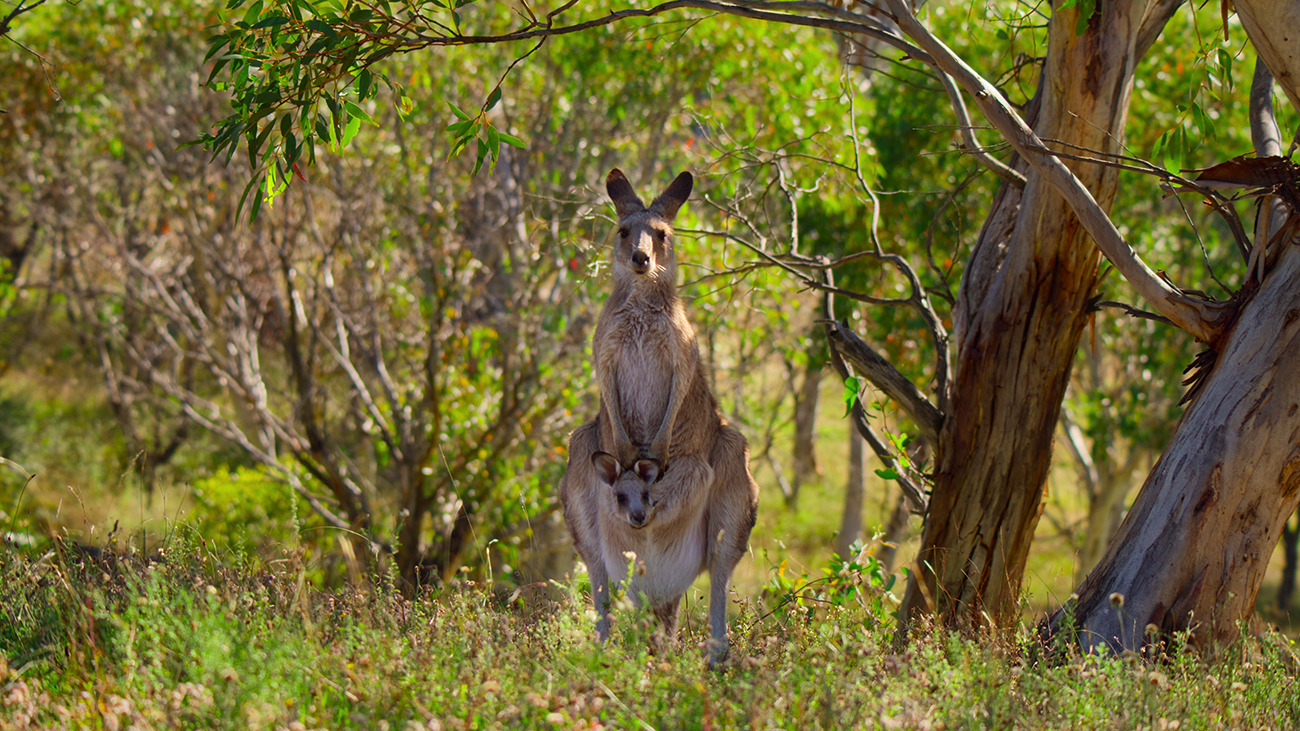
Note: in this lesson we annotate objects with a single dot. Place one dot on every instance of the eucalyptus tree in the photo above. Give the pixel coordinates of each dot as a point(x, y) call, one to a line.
point(1192, 550)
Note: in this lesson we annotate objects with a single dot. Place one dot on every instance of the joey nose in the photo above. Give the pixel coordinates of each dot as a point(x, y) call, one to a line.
point(640, 261)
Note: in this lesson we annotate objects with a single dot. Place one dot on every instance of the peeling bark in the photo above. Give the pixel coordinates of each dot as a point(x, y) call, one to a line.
point(1018, 321)
point(1192, 551)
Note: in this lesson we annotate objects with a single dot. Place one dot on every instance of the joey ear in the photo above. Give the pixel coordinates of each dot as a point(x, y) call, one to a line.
point(647, 470)
point(626, 201)
point(607, 468)
point(669, 201)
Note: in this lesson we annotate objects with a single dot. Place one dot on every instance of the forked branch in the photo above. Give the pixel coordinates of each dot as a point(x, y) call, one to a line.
point(1200, 318)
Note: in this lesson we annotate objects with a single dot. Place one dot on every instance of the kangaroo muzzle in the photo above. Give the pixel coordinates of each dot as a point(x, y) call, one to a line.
point(641, 261)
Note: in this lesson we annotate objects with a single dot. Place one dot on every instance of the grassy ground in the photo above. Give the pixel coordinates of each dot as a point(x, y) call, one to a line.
point(208, 638)
point(189, 641)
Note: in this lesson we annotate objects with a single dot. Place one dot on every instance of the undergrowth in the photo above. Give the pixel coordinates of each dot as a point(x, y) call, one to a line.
point(183, 639)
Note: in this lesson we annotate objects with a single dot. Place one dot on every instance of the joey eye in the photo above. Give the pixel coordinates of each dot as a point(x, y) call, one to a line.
point(645, 497)
point(623, 232)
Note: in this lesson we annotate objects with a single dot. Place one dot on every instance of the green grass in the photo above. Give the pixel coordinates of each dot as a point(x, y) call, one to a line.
point(190, 642)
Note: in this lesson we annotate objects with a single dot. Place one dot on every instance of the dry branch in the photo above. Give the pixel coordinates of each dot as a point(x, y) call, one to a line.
point(866, 361)
point(1200, 318)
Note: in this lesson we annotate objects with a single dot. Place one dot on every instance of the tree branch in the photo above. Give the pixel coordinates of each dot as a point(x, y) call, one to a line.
point(1202, 319)
point(911, 490)
point(969, 144)
point(1267, 139)
point(887, 378)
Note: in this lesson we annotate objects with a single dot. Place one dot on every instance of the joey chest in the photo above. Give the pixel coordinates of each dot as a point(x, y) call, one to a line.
point(668, 558)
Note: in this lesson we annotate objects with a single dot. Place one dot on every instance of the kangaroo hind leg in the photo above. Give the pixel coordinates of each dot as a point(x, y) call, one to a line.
point(733, 509)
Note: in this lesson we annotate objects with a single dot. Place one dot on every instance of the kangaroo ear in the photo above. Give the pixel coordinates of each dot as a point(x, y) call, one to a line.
point(626, 201)
point(673, 197)
point(607, 468)
point(647, 470)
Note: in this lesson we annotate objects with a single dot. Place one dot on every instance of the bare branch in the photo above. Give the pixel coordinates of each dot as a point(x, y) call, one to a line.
point(1132, 311)
point(819, 15)
point(1202, 319)
point(1267, 139)
point(1157, 15)
point(969, 144)
point(911, 490)
point(887, 378)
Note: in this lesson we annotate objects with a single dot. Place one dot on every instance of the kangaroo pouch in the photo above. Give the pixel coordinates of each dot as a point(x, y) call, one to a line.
point(666, 565)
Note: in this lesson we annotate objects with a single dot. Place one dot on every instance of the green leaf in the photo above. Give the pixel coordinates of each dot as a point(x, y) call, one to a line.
point(255, 146)
point(492, 100)
point(458, 112)
point(357, 111)
point(271, 21)
point(254, 12)
point(852, 387)
point(493, 142)
point(350, 131)
point(887, 473)
point(512, 140)
point(363, 83)
point(322, 129)
point(322, 27)
point(1225, 61)
point(479, 156)
point(1159, 147)
point(1173, 157)
point(460, 129)
point(291, 151)
point(215, 44)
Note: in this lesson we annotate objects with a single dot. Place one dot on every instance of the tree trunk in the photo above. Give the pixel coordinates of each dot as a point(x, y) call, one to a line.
point(1018, 320)
point(854, 494)
point(1106, 481)
point(894, 532)
point(1105, 508)
point(1192, 551)
point(1290, 555)
point(805, 420)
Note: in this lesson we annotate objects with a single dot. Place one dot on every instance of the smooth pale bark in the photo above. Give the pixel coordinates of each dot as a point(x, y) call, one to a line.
point(1018, 321)
point(1272, 26)
point(1192, 551)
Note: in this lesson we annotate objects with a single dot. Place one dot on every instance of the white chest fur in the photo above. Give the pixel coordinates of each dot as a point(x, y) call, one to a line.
point(666, 560)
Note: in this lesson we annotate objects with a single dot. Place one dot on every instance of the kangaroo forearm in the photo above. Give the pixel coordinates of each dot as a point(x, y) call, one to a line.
point(622, 448)
point(684, 490)
point(664, 436)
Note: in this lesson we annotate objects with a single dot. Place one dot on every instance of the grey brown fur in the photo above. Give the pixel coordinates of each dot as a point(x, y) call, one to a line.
point(658, 421)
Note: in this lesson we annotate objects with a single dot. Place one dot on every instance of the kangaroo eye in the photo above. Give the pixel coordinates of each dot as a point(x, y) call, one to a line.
point(622, 499)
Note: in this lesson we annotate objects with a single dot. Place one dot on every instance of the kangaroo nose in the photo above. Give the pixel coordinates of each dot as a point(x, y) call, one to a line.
point(637, 519)
point(640, 260)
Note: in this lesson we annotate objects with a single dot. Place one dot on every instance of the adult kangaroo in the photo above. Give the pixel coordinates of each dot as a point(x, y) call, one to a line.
point(658, 474)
